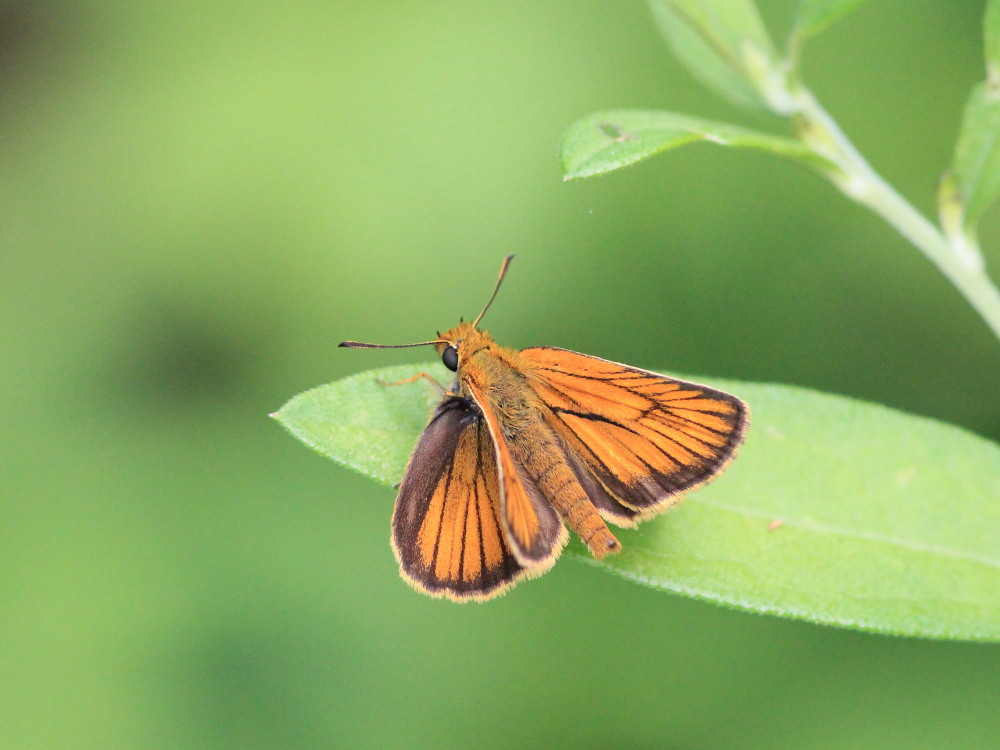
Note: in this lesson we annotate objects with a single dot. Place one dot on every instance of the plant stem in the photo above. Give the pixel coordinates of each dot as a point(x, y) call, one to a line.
point(858, 181)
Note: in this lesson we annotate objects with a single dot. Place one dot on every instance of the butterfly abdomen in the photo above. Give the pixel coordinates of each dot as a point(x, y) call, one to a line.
point(549, 472)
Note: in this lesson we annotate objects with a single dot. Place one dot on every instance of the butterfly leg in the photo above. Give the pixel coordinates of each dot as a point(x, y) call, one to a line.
point(426, 376)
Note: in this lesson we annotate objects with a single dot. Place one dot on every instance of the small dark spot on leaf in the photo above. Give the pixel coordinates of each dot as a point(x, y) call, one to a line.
point(615, 132)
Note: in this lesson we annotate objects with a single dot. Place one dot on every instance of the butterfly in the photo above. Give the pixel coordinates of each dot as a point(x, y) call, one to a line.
point(525, 443)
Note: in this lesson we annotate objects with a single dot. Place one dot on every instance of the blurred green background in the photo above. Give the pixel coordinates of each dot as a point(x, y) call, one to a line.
point(199, 201)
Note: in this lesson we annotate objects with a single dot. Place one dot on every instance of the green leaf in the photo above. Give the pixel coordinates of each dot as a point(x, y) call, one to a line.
point(976, 164)
point(991, 38)
point(605, 141)
point(723, 43)
point(814, 16)
point(836, 511)
point(975, 167)
point(366, 426)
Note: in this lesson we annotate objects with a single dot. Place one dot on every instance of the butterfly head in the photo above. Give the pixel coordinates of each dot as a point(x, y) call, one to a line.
point(456, 343)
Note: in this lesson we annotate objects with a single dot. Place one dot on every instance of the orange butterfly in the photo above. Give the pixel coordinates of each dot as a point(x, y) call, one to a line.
point(527, 441)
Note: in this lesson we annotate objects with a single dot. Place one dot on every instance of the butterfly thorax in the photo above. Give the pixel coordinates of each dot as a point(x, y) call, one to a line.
point(497, 371)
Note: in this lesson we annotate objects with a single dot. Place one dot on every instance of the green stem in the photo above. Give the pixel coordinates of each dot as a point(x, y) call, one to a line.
point(857, 180)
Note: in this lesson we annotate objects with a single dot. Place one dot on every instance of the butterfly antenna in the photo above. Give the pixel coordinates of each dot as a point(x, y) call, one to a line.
point(503, 272)
point(361, 345)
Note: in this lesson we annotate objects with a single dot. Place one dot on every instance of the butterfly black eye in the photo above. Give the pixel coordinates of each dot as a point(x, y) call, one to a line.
point(450, 358)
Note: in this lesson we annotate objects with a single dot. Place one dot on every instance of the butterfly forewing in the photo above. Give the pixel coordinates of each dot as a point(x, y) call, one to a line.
point(646, 438)
point(446, 528)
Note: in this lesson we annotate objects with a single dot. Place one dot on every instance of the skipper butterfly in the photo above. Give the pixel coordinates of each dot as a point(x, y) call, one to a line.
point(525, 443)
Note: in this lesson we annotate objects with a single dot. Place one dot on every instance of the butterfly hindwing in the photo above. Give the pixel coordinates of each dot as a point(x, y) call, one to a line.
point(446, 528)
point(531, 525)
point(646, 438)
